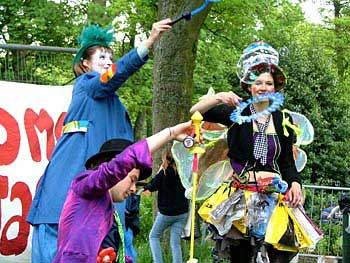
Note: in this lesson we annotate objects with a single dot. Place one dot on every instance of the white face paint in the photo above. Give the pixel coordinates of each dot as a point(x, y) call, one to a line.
point(100, 61)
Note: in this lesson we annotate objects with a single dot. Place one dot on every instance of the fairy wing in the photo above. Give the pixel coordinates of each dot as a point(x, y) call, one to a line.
point(306, 135)
point(214, 166)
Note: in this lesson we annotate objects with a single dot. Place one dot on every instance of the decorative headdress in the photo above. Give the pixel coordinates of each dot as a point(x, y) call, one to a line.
point(257, 58)
point(93, 35)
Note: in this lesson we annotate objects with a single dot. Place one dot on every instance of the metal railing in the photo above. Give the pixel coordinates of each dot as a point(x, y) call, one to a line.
point(319, 200)
point(36, 64)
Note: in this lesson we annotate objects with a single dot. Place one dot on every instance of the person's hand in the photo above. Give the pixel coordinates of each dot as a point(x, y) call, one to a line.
point(106, 259)
point(157, 31)
point(295, 152)
point(295, 195)
point(146, 192)
point(180, 131)
point(106, 255)
point(230, 98)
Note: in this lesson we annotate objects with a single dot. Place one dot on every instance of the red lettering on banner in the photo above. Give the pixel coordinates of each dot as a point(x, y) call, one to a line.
point(9, 150)
point(17, 245)
point(43, 122)
point(4, 190)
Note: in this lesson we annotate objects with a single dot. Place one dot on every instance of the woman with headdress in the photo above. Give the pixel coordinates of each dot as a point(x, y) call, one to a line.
point(94, 116)
point(259, 150)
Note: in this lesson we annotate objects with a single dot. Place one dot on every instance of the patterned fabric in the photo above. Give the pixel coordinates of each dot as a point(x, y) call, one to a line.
point(260, 144)
point(75, 126)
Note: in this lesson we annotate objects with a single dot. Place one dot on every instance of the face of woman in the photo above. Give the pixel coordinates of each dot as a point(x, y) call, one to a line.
point(100, 61)
point(262, 85)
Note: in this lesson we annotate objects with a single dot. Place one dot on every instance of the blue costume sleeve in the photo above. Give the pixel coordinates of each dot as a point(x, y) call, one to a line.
point(125, 67)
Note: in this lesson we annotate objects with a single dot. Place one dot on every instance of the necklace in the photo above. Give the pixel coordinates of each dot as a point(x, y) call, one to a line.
point(277, 101)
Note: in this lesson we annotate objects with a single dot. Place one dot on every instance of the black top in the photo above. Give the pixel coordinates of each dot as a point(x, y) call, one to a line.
point(112, 239)
point(241, 145)
point(171, 193)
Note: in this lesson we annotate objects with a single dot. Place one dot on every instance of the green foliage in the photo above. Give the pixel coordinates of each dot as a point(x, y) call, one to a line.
point(314, 87)
point(52, 24)
point(315, 57)
point(321, 103)
point(331, 244)
point(315, 202)
point(146, 219)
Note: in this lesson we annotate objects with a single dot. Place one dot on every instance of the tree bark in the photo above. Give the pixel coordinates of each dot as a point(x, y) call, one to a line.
point(174, 62)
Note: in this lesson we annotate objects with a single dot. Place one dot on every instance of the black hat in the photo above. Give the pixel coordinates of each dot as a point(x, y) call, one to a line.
point(110, 149)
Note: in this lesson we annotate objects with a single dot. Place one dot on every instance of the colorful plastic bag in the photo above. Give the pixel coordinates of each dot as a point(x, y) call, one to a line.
point(308, 226)
point(278, 227)
point(260, 208)
point(278, 223)
point(221, 194)
point(231, 209)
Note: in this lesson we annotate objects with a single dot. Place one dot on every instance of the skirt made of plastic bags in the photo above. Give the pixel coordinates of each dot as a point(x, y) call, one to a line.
point(241, 214)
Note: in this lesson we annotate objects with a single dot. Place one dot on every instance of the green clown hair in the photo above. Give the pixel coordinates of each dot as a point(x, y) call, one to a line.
point(93, 35)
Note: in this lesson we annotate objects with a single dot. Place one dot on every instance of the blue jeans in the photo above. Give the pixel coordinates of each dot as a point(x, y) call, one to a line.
point(162, 222)
point(44, 243)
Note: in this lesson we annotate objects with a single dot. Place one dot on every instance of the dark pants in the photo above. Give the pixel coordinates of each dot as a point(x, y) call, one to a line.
point(245, 253)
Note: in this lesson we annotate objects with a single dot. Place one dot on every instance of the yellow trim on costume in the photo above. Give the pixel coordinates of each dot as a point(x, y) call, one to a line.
point(75, 126)
point(286, 123)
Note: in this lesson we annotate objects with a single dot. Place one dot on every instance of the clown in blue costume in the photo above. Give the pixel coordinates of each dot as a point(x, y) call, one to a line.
point(95, 115)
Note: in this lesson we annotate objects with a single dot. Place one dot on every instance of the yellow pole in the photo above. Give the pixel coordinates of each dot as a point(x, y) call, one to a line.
point(196, 119)
point(193, 211)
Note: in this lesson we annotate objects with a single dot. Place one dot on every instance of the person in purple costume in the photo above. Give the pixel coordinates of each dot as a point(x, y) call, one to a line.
point(253, 160)
point(87, 214)
point(95, 115)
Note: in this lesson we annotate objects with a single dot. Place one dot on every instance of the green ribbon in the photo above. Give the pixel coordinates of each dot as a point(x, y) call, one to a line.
point(121, 250)
point(286, 123)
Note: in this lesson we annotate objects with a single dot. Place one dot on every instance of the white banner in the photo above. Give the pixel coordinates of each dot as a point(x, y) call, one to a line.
point(31, 118)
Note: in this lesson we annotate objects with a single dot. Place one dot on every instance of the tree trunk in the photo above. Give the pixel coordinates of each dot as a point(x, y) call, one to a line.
point(174, 62)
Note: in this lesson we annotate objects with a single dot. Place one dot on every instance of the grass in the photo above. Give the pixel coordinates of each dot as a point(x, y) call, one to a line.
point(202, 250)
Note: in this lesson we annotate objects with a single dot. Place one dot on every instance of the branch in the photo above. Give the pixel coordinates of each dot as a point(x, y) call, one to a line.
point(217, 34)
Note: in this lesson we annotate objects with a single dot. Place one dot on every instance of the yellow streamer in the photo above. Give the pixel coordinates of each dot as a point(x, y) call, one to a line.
point(196, 119)
point(286, 123)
